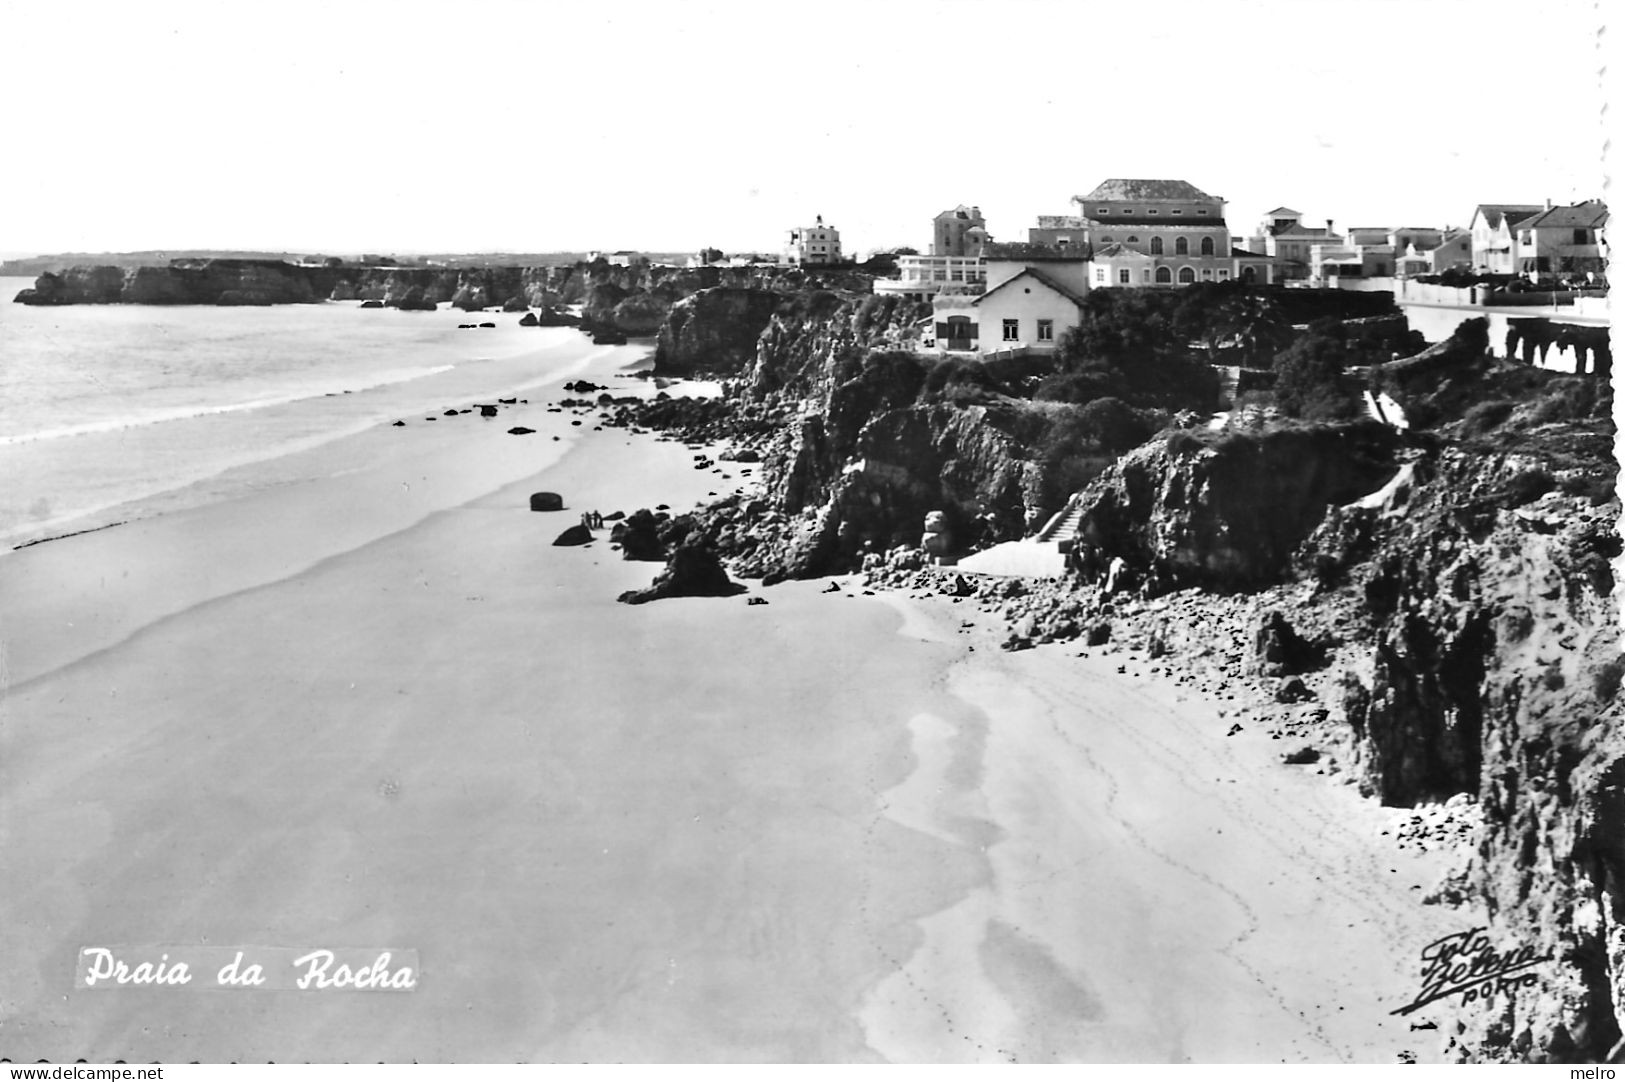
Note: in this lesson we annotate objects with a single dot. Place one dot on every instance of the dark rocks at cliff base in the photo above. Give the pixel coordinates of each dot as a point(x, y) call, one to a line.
point(488, 411)
point(372, 304)
point(575, 535)
point(582, 386)
point(485, 325)
point(1099, 634)
point(546, 501)
point(1301, 757)
point(639, 536)
point(399, 424)
point(529, 320)
point(520, 430)
point(1293, 690)
point(756, 601)
point(692, 571)
point(1281, 651)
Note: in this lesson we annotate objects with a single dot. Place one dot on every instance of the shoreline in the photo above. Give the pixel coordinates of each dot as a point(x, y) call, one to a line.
point(688, 831)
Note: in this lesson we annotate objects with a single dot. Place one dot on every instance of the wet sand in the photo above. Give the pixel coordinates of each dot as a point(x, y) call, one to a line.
point(379, 708)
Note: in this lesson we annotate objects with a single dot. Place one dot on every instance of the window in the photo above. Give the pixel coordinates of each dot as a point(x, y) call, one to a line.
point(939, 275)
point(1176, 212)
point(1122, 276)
point(1103, 210)
point(1186, 276)
point(1146, 275)
point(1182, 246)
point(958, 274)
point(1046, 330)
point(1012, 331)
point(1201, 212)
point(1106, 239)
point(1207, 245)
point(1151, 210)
point(1382, 268)
point(1528, 237)
point(1156, 245)
point(1100, 275)
point(1207, 273)
point(1164, 275)
point(1133, 239)
point(1224, 275)
point(1582, 236)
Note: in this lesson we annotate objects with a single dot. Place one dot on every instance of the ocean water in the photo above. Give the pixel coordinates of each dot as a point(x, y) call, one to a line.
point(104, 406)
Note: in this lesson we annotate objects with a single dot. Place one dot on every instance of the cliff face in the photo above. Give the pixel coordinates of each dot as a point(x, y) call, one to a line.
point(714, 330)
point(1490, 665)
point(634, 300)
point(1494, 672)
point(1181, 512)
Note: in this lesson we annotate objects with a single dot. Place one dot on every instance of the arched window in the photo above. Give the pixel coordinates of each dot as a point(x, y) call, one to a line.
point(1186, 276)
point(1106, 240)
point(1156, 245)
point(1164, 276)
point(1207, 245)
point(1248, 274)
point(1182, 246)
point(1134, 240)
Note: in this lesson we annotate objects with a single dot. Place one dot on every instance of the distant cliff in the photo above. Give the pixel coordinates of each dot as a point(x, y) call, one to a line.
point(634, 299)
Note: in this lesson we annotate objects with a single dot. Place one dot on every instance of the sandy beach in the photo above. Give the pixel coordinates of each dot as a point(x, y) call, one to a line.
point(378, 708)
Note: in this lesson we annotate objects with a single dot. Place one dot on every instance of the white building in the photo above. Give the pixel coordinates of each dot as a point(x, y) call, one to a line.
point(813, 245)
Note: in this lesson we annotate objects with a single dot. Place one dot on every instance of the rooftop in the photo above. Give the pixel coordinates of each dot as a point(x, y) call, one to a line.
point(1121, 190)
point(1517, 212)
point(1578, 216)
point(1040, 276)
point(1014, 252)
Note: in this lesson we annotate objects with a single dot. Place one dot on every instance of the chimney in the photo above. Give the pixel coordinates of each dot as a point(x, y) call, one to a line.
point(1329, 228)
point(1548, 204)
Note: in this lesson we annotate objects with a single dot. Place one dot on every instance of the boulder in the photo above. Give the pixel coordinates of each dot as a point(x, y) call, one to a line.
point(546, 501)
point(1099, 634)
point(1281, 651)
point(693, 571)
point(575, 535)
point(1293, 690)
point(488, 411)
point(639, 536)
point(529, 320)
point(372, 304)
point(520, 430)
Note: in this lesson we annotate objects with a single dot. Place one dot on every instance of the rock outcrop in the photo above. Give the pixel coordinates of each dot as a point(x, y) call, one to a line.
point(693, 571)
point(1229, 513)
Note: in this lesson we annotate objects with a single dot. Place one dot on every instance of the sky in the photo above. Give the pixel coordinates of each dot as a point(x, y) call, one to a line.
point(346, 127)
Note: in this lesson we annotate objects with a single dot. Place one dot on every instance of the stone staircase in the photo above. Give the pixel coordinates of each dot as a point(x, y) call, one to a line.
point(1063, 525)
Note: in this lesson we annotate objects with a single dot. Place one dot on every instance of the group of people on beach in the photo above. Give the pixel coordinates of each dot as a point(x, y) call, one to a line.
point(592, 520)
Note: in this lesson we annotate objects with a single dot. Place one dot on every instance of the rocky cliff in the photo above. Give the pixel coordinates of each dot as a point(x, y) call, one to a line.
point(1494, 670)
point(1459, 577)
point(1229, 512)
